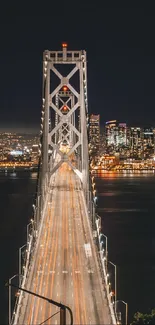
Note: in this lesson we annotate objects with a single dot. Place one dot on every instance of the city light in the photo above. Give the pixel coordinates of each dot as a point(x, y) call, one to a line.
point(121, 147)
point(18, 150)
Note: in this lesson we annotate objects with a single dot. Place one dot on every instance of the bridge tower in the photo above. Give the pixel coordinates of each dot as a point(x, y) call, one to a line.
point(64, 115)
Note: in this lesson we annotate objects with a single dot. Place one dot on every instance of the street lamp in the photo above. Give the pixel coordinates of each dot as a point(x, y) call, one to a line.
point(106, 248)
point(37, 211)
point(115, 283)
point(126, 310)
point(34, 212)
point(51, 301)
point(20, 262)
point(28, 226)
point(10, 296)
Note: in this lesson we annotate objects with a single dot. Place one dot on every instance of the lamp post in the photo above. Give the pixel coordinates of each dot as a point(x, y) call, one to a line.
point(37, 212)
point(20, 262)
point(33, 221)
point(115, 283)
point(10, 296)
point(51, 301)
point(28, 226)
point(106, 249)
point(126, 310)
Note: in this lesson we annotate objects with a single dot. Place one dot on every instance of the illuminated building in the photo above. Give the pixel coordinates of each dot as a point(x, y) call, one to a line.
point(110, 128)
point(136, 142)
point(94, 133)
point(116, 136)
point(34, 152)
point(148, 142)
point(122, 132)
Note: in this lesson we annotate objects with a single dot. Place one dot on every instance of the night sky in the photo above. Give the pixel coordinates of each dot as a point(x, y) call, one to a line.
point(120, 49)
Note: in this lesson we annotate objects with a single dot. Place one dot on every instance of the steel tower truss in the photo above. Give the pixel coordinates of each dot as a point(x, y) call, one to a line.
point(66, 107)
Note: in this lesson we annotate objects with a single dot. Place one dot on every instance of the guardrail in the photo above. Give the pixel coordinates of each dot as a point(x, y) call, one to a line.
point(113, 316)
point(103, 262)
point(30, 247)
point(19, 298)
point(28, 266)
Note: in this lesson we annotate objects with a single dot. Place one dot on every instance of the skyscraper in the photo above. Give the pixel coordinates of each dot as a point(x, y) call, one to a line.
point(122, 134)
point(148, 142)
point(110, 133)
point(94, 133)
point(116, 136)
point(136, 142)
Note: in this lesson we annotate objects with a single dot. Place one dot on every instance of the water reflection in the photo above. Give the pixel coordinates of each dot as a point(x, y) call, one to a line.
point(125, 173)
point(126, 204)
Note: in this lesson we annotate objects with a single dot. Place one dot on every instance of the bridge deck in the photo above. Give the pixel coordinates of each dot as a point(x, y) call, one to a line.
point(65, 267)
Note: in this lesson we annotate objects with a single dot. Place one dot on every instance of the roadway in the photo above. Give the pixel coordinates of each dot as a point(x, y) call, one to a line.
point(65, 267)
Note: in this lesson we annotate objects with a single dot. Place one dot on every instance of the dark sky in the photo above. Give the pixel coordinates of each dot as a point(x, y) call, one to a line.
point(120, 48)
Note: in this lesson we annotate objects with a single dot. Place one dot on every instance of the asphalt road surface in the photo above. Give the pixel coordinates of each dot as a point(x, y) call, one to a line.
point(65, 267)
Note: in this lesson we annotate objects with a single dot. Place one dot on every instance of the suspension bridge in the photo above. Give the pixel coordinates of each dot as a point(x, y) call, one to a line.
point(64, 260)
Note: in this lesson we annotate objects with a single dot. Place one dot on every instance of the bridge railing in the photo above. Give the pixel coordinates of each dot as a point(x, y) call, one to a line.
point(91, 215)
point(31, 248)
point(33, 240)
point(103, 260)
point(24, 277)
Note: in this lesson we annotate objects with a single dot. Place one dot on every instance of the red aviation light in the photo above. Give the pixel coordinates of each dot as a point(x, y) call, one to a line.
point(65, 88)
point(64, 45)
point(65, 108)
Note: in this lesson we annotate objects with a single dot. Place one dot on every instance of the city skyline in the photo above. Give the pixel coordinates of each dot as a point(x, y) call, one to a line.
point(20, 128)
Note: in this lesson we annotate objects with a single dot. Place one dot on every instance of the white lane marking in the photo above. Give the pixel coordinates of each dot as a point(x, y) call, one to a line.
point(58, 264)
point(64, 271)
point(71, 273)
point(72, 294)
point(88, 251)
point(56, 321)
point(52, 272)
point(90, 271)
point(72, 283)
point(40, 272)
point(32, 314)
point(77, 272)
point(58, 273)
point(57, 294)
point(58, 283)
